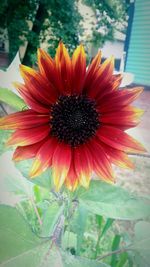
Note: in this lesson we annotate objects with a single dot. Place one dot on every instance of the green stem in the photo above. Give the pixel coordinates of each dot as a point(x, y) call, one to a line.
point(69, 209)
point(36, 211)
point(97, 244)
point(118, 251)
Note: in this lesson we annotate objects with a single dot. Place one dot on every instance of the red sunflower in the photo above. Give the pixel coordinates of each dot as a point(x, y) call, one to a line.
point(76, 119)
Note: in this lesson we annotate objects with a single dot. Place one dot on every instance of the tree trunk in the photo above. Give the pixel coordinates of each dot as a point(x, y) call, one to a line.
point(36, 29)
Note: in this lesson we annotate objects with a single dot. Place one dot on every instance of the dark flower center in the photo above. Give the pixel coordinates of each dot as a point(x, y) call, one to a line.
point(74, 119)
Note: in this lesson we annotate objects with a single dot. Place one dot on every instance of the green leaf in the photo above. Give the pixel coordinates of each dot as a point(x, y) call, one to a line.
point(107, 225)
point(52, 258)
point(122, 260)
point(44, 180)
point(114, 202)
point(18, 245)
point(14, 187)
point(16, 237)
point(99, 220)
point(18, 185)
point(72, 261)
point(11, 99)
point(50, 219)
point(13, 180)
point(4, 135)
point(69, 240)
point(141, 245)
point(115, 246)
point(80, 225)
point(37, 193)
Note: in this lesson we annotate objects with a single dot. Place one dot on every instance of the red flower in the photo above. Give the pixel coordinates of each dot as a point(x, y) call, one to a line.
point(76, 119)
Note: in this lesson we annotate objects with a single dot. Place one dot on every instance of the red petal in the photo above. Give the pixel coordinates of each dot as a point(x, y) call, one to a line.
point(26, 152)
point(101, 164)
point(116, 81)
point(48, 69)
point(64, 68)
point(124, 118)
point(118, 139)
point(118, 99)
point(72, 180)
point(28, 136)
point(46, 65)
point(79, 69)
point(43, 157)
point(28, 98)
point(38, 86)
point(24, 120)
point(90, 75)
point(83, 165)
point(117, 157)
point(109, 86)
point(102, 78)
point(61, 164)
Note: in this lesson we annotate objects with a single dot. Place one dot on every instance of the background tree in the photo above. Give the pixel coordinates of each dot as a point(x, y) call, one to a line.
point(35, 21)
point(15, 17)
point(111, 16)
point(38, 21)
point(65, 25)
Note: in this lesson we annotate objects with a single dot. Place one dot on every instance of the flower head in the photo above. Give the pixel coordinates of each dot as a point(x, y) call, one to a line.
point(76, 119)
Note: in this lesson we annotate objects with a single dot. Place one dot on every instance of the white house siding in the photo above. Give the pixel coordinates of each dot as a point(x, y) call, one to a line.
point(113, 48)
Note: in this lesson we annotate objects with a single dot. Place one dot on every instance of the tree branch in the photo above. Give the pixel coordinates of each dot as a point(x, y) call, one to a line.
point(118, 251)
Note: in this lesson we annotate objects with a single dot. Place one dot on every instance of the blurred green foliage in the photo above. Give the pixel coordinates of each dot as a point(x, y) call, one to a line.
point(110, 15)
point(65, 24)
point(14, 17)
point(55, 20)
point(61, 17)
